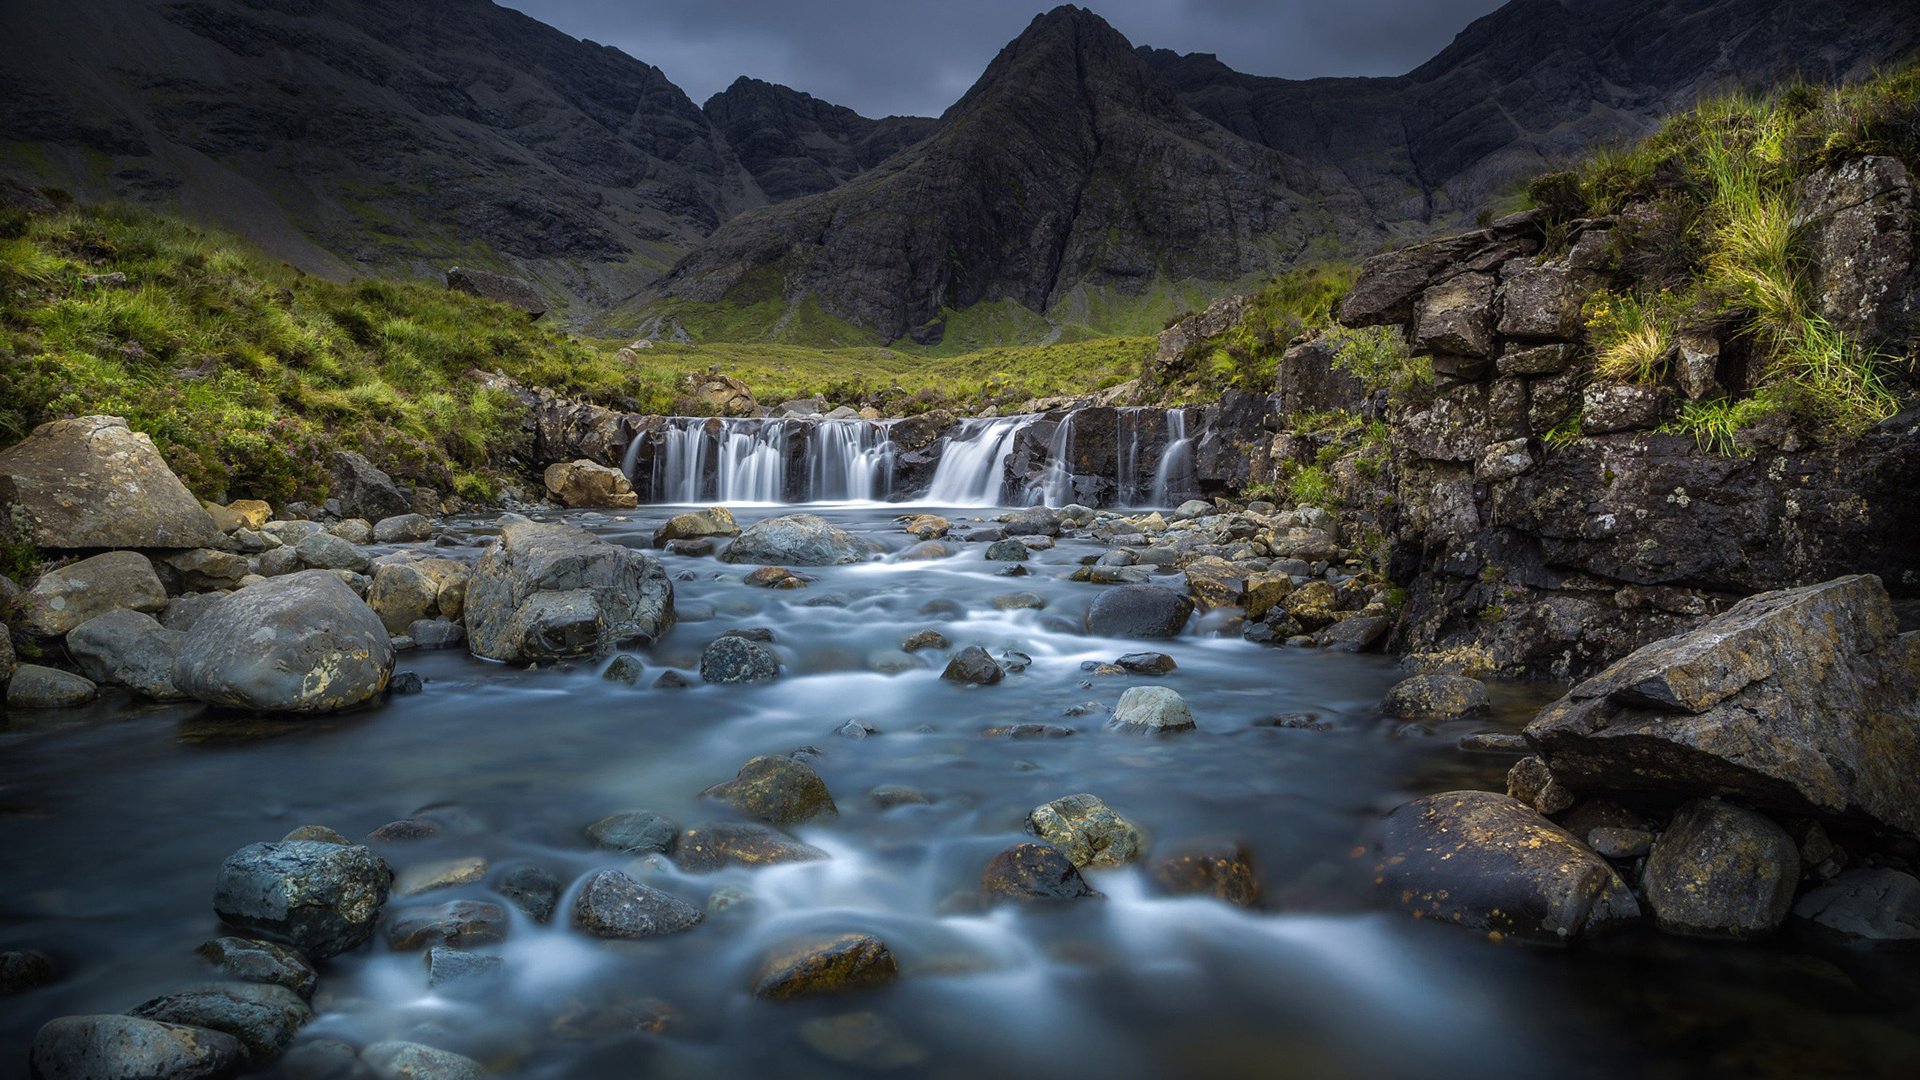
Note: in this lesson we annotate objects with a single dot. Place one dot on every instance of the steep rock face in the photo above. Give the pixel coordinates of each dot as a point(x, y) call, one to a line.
point(1067, 164)
point(1528, 87)
point(794, 144)
point(354, 136)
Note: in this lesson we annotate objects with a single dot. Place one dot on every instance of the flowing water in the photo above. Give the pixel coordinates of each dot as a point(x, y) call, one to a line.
point(114, 820)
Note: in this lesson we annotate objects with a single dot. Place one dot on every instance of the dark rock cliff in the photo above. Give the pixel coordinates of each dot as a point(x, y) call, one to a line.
point(794, 144)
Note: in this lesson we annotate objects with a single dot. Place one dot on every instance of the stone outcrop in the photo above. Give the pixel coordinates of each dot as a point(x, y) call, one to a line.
point(304, 643)
point(1805, 701)
point(547, 591)
point(499, 288)
point(798, 540)
point(582, 483)
point(91, 482)
point(362, 490)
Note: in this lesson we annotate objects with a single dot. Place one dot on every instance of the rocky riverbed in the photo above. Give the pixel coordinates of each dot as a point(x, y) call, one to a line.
point(829, 790)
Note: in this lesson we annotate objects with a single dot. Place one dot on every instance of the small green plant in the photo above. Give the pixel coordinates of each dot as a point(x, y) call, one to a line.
point(1379, 358)
point(1715, 425)
point(1563, 434)
point(1631, 337)
point(1309, 485)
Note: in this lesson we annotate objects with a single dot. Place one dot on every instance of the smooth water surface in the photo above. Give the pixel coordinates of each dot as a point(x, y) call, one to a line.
point(114, 820)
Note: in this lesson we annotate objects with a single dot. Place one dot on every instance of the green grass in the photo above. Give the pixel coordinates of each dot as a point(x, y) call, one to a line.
point(1712, 240)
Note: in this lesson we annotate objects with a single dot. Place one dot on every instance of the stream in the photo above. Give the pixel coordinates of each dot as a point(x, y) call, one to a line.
point(115, 819)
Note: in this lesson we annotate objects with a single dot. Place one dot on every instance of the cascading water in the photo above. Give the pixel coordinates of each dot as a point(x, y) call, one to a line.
point(1176, 461)
point(852, 460)
point(1056, 487)
point(972, 468)
point(746, 461)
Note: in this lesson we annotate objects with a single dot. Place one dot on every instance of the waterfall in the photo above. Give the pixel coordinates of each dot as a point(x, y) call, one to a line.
point(973, 463)
point(747, 461)
point(1176, 461)
point(1056, 487)
point(851, 460)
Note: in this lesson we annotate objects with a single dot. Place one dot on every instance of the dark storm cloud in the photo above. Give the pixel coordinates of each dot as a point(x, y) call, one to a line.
point(918, 56)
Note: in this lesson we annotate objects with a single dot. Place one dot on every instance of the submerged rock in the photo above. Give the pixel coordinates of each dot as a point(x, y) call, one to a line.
point(458, 924)
point(321, 898)
point(547, 591)
point(22, 970)
point(697, 525)
point(531, 889)
point(1484, 861)
point(710, 847)
point(613, 905)
point(130, 1048)
point(297, 644)
point(734, 659)
point(1220, 869)
point(1139, 611)
point(1876, 904)
point(1804, 700)
point(637, 832)
point(394, 1060)
point(833, 966)
point(1436, 696)
point(1087, 830)
point(862, 1039)
point(262, 962)
point(35, 687)
point(1721, 871)
point(973, 666)
point(1028, 872)
point(798, 540)
point(776, 790)
point(91, 482)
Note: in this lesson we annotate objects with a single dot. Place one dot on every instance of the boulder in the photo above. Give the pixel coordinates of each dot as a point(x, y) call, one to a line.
point(1139, 611)
point(697, 525)
point(1435, 696)
point(130, 649)
point(364, 491)
point(129, 1048)
point(533, 890)
point(1870, 904)
point(1008, 550)
point(798, 540)
point(262, 962)
point(835, 965)
point(320, 898)
point(407, 592)
point(1484, 861)
point(35, 687)
point(724, 394)
point(1721, 871)
point(1029, 872)
point(303, 643)
point(402, 529)
point(1087, 830)
point(499, 288)
point(733, 659)
point(91, 482)
point(459, 924)
point(637, 832)
point(263, 1016)
point(67, 596)
point(203, 569)
point(1803, 701)
point(358, 531)
point(613, 905)
point(973, 666)
point(584, 483)
point(1147, 663)
point(547, 591)
point(325, 551)
point(1151, 710)
point(776, 790)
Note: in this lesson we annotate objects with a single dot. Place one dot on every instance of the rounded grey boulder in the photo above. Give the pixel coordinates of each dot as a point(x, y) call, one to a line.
point(1139, 611)
point(548, 591)
point(303, 643)
point(1437, 696)
point(395, 1060)
point(1721, 871)
point(130, 649)
point(130, 1048)
point(732, 659)
point(1151, 710)
point(37, 687)
point(322, 899)
point(798, 540)
point(263, 1016)
point(613, 905)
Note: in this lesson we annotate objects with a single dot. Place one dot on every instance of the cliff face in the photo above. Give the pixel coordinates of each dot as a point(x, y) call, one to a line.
point(355, 136)
point(794, 144)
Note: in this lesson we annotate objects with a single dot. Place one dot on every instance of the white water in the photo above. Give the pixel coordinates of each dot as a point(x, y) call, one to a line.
point(1176, 461)
point(972, 468)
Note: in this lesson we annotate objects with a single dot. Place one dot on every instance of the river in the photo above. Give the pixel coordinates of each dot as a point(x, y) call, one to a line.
point(114, 820)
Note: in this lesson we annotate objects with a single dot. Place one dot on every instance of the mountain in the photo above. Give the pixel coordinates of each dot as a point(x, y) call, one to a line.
point(795, 144)
point(1083, 183)
point(1534, 84)
point(354, 136)
point(1068, 167)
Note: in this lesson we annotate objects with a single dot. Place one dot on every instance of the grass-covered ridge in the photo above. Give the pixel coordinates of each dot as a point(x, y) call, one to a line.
point(1712, 243)
point(249, 374)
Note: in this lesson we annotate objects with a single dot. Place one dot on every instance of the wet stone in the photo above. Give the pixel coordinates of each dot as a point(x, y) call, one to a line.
point(728, 843)
point(131, 1048)
point(972, 666)
point(1032, 872)
point(776, 790)
point(395, 1060)
point(888, 796)
point(263, 1016)
point(1220, 869)
point(262, 962)
point(856, 729)
point(321, 898)
point(447, 967)
point(637, 832)
point(1089, 831)
point(864, 1040)
point(924, 639)
point(1620, 844)
point(1873, 904)
point(406, 829)
point(1027, 731)
point(442, 874)
point(1721, 871)
point(834, 966)
point(734, 659)
point(624, 669)
point(1151, 710)
point(1147, 663)
point(459, 924)
point(533, 890)
point(1436, 696)
point(22, 970)
point(613, 905)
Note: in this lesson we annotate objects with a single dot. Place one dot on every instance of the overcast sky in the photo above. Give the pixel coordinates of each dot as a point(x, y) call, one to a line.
point(918, 56)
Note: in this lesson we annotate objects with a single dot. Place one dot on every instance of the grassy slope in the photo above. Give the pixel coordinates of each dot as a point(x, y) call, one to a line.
point(248, 374)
